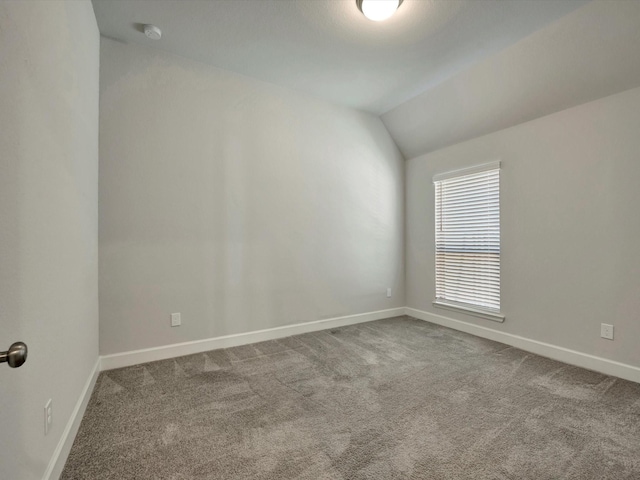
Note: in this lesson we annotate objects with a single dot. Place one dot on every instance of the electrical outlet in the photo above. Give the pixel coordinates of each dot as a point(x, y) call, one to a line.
point(389, 292)
point(606, 331)
point(175, 320)
point(48, 416)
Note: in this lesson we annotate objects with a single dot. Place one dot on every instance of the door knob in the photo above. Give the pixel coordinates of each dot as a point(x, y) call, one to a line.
point(15, 356)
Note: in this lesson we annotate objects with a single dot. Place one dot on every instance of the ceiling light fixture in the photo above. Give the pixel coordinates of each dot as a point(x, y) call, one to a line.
point(378, 10)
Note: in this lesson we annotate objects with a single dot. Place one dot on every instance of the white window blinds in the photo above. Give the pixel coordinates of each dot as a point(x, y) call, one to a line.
point(468, 237)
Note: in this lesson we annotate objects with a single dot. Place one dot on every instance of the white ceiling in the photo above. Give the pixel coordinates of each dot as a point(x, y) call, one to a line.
point(327, 48)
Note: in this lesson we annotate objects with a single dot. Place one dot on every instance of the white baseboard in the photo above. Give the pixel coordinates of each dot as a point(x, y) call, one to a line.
point(572, 357)
point(60, 454)
point(126, 359)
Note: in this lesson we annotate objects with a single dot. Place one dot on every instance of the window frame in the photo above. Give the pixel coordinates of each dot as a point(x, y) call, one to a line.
point(469, 308)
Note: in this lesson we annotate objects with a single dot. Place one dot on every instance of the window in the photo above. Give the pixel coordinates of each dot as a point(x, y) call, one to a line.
point(468, 240)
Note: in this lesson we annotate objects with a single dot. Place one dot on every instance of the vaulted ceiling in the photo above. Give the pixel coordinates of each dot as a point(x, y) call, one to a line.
point(438, 72)
point(327, 48)
point(588, 54)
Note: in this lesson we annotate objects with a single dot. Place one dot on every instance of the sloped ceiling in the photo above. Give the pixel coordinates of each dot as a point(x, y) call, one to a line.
point(438, 72)
point(327, 48)
point(588, 54)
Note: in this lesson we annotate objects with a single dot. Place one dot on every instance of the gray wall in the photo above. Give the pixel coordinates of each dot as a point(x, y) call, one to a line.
point(48, 221)
point(240, 204)
point(570, 226)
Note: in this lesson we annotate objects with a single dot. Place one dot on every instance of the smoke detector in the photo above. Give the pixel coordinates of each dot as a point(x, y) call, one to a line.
point(153, 32)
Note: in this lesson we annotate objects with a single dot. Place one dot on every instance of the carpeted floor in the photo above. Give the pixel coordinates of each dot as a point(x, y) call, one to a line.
point(392, 399)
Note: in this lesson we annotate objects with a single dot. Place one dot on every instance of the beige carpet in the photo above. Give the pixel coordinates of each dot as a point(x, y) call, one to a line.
point(392, 399)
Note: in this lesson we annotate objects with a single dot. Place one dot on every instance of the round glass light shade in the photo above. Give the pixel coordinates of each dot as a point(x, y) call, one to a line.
point(378, 10)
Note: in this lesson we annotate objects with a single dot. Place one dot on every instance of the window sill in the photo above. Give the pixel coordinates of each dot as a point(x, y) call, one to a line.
point(476, 312)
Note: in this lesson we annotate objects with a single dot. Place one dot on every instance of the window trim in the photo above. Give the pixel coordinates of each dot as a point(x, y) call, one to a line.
point(470, 309)
point(474, 311)
point(483, 167)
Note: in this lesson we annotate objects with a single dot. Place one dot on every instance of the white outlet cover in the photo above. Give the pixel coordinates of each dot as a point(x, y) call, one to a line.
point(606, 331)
point(389, 292)
point(176, 321)
point(48, 416)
